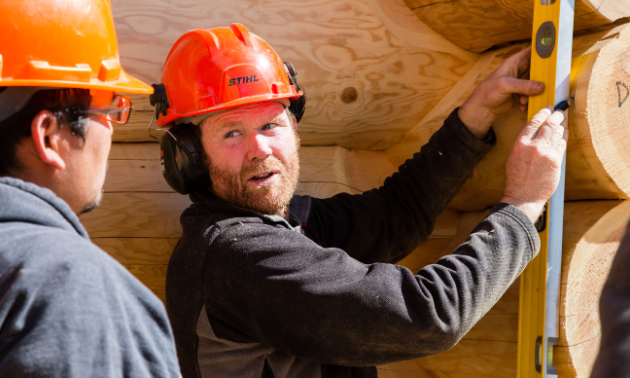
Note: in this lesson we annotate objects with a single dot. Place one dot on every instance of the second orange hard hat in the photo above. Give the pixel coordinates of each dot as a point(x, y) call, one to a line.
point(221, 68)
point(62, 44)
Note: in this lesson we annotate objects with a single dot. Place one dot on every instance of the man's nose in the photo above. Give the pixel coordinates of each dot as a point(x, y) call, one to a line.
point(258, 146)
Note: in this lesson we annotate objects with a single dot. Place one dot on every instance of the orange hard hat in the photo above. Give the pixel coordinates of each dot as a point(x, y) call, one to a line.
point(221, 68)
point(62, 44)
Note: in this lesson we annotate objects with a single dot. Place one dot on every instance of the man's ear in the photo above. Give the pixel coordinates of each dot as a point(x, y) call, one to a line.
point(45, 132)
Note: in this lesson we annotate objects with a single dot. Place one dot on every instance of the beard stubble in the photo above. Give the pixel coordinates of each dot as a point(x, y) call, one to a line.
point(271, 199)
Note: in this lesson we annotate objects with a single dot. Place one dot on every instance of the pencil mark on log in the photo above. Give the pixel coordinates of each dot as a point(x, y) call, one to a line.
point(623, 97)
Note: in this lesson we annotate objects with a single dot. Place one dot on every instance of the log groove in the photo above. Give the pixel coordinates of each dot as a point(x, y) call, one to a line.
point(477, 25)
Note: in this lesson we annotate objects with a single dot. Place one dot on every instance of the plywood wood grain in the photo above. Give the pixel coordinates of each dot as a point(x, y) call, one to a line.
point(138, 251)
point(137, 214)
point(478, 25)
point(398, 67)
point(152, 276)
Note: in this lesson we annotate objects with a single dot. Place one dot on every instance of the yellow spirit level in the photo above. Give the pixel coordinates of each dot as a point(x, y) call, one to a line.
point(539, 299)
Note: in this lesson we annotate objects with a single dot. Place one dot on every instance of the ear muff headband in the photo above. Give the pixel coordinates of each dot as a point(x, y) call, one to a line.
point(181, 154)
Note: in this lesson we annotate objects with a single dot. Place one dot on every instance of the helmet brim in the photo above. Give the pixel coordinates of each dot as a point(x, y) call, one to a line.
point(124, 84)
point(167, 121)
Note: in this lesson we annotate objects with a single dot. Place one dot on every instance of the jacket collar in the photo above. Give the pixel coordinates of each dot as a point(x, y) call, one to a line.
point(299, 209)
point(22, 201)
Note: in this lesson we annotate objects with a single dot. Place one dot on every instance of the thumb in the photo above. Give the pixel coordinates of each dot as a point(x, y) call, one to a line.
point(523, 87)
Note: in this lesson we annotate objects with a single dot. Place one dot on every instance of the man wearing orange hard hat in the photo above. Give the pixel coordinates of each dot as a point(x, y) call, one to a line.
point(67, 309)
point(267, 284)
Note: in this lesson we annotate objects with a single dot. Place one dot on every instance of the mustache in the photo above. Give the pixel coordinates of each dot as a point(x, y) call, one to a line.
point(254, 168)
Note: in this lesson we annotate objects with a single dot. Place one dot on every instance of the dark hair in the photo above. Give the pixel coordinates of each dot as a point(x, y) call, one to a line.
point(65, 104)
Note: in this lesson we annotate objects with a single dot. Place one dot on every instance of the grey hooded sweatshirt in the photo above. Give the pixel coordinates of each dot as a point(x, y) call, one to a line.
point(67, 309)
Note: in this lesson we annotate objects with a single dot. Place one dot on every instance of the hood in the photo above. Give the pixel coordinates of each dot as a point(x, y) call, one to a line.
point(25, 202)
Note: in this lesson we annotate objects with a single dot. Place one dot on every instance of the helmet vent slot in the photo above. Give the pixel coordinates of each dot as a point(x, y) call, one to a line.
point(243, 35)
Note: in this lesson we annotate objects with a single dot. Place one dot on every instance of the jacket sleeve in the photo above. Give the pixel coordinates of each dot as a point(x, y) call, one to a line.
point(283, 290)
point(614, 309)
point(386, 224)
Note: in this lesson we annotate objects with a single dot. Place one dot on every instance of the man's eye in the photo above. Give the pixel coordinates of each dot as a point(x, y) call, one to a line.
point(231, 134)
point(268, 126)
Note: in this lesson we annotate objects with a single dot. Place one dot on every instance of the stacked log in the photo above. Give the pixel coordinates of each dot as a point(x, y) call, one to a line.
point(478, 25)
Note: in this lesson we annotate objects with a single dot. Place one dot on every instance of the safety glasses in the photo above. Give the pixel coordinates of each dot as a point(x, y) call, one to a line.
point(111, 107)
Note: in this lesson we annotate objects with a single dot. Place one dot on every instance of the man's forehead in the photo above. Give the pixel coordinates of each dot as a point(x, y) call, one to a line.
point(243, 115)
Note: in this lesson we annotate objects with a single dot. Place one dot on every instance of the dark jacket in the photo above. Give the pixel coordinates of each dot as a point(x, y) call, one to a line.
point(251, 295)
point(67, 309)
point(613, 360)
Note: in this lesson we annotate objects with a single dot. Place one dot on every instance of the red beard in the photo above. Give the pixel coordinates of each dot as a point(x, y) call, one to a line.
point(272, 198)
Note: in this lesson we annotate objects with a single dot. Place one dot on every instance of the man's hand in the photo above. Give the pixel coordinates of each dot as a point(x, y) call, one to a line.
point(533, 168)
point(496, 94)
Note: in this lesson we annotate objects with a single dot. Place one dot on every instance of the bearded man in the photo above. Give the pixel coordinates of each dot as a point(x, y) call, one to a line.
point(267, 284)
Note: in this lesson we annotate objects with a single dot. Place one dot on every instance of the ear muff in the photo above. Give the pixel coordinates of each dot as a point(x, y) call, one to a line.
point(298, 105)
point(182, 160)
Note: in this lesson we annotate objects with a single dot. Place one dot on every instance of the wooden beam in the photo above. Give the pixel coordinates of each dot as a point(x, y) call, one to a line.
point(137, 214)
point(478, 25)
point(138, 251)
point(152, 276)
point(587, 256)
point(371, 71)
point(420, 134)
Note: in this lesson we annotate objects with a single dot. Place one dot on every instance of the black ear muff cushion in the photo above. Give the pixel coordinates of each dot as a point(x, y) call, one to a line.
point(183, 166)
point(298, 106)
point(170, 169)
